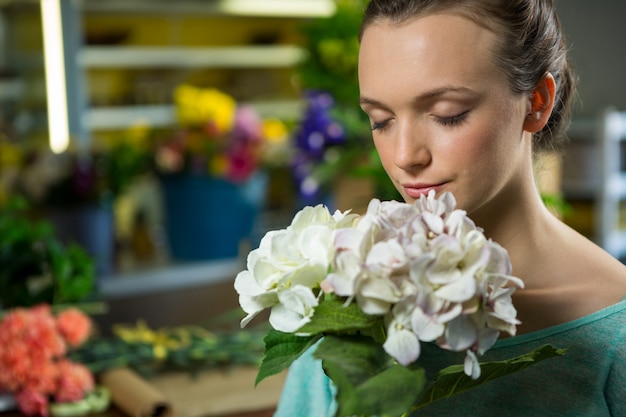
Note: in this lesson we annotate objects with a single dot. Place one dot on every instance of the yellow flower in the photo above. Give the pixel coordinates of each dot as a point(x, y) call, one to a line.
point(162, 341)
point(198, 106)
point(274, 130)
point(219, 108)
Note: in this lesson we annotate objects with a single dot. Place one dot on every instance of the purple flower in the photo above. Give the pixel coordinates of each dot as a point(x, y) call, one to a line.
point(318, 131)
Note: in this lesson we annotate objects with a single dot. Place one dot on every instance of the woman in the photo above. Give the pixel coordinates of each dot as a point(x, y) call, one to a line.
point(461, 96)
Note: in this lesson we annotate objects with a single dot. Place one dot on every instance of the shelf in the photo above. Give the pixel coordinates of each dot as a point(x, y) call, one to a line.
point(265, 56)
point(121, 117)
point(257, 8)
point(126, 116)
point(167, 278)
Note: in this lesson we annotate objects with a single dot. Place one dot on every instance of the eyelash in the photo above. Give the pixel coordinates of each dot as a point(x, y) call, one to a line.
point(444, 121)
point(379, 125)
point(452, 120)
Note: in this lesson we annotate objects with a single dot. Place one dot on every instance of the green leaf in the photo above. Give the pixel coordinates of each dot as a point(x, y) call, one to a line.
point(281, 349)
point(452, 380)
point(369, 382)
point(333, 316)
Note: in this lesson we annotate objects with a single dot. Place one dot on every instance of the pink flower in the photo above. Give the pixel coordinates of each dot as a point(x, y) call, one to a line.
point(248, 125)
point(32, 403)
point(74, 326)
point(242, 163)
point(74, 382)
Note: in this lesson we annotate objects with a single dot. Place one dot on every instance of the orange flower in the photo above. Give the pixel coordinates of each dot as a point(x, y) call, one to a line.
point(15, 364)
point(74, 326)
point(33, 366)
point(46, 378)
point(41, 336)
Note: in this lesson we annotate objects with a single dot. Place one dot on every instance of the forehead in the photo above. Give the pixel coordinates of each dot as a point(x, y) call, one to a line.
point(446, 49)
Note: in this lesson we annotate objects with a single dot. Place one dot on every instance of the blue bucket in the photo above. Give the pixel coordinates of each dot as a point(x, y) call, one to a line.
point(208, 217)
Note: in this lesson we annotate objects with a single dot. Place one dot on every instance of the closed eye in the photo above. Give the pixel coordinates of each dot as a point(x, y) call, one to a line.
point(380, 125)
point(452, 120)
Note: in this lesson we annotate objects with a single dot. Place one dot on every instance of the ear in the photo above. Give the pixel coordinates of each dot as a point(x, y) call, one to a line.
point(541, 102)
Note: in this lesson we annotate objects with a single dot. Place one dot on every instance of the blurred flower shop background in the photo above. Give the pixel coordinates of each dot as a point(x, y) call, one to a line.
point(192, 128)
point(242, 148)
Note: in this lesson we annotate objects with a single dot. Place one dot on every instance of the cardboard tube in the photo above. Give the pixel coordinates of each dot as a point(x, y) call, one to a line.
point(134, 395)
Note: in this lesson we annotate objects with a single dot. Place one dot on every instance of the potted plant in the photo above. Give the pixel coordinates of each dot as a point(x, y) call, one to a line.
point(35, 266)
point(212, 169)
point(75, 190)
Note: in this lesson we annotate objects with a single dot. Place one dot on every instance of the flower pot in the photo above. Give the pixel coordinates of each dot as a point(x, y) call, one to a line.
point(89, 226)
point(209, 218)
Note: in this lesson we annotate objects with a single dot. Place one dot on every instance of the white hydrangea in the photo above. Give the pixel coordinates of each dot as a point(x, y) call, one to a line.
point(286, 268)
point(431, 272)
point(425, 267)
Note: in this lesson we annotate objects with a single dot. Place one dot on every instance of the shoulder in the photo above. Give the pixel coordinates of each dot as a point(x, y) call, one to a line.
point(569, 277)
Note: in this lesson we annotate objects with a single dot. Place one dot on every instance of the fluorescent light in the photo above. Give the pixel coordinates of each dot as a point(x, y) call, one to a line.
point(293, 8)
point(56, 92)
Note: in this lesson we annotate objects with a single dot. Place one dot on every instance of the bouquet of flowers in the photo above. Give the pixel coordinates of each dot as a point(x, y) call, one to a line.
point(367, 290)
point(34, 367)
point(216, 136)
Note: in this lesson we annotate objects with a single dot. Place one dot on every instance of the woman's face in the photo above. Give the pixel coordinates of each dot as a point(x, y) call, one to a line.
point(442, 113)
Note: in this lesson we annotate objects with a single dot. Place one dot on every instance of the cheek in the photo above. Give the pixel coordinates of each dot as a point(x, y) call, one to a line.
point(467, 147)
point(478, 153)
point(385, 152)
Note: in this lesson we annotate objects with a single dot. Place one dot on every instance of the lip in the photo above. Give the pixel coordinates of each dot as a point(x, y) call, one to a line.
point(416, 190)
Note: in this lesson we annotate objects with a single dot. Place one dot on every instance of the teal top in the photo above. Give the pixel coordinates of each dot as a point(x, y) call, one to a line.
point(588, 381)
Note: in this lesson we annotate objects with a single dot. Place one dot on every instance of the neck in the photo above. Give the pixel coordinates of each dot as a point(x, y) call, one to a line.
point(520, 222)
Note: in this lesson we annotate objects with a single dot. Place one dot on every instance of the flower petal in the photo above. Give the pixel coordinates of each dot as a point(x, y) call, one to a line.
point(463, 289)
point(461, 334)
point(426, 328)
point(402, 344)
point(471, 365)
point(296, 308)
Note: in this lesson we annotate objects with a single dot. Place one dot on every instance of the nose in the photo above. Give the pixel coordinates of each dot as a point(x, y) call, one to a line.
point(411, 147)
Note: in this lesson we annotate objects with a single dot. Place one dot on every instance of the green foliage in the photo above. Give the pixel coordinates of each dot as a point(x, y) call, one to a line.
point(370, 382)
point(124, 162)
point(281, 349)
point(333, 316)
point(187, 348)
point(452, 380)
point(333, 48)
point(35, 267)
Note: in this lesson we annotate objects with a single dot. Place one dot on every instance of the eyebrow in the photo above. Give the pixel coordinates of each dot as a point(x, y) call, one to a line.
point(426, 96)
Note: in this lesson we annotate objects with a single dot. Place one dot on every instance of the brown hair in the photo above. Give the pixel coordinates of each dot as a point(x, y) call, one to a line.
point(531, 44)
